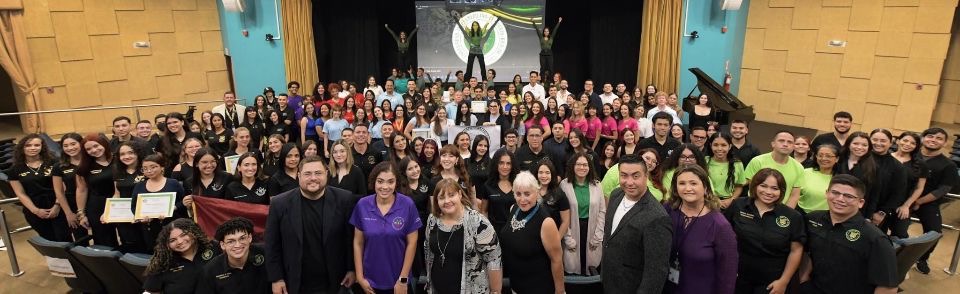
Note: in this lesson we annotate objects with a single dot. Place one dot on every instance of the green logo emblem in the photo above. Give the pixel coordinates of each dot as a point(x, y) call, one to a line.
point(783, 221)
point(853, 235)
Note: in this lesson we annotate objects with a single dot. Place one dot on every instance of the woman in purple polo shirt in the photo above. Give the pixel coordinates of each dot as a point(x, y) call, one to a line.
point(385, 237)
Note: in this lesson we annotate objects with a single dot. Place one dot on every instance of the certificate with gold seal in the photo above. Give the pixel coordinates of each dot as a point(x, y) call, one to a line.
point(117, 210)
point(155, 205)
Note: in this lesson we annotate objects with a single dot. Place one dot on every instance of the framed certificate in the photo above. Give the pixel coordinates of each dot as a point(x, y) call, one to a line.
point(231, 162)
point(155, 205)
point(478, 106)
point(117, 210)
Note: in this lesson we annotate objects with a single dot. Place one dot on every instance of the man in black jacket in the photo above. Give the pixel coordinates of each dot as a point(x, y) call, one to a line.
point(308, 235)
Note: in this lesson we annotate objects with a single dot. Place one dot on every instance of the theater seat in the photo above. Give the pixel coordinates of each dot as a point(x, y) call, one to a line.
point(583, 284)
point(136, 264)
point(105, 264)
point(909, 250)
point(85, 281)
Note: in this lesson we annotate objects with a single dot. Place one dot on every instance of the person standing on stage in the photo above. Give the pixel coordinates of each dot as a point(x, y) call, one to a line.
point(476, 37)
point(403, 46)
point(547, 36)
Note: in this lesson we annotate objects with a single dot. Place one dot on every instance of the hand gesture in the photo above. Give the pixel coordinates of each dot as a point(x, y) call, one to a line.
point(560, 20)
point(386, 26)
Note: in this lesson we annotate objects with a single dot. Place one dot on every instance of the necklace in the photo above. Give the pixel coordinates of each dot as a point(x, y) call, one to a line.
point(36, 171)
point(516, 225)
point(443, 252)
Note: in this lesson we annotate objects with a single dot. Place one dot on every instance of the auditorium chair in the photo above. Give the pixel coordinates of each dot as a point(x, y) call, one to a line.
point(136, 264)
point(85, 281)
point(909, 251)
point(583, 284)
point(105, 264)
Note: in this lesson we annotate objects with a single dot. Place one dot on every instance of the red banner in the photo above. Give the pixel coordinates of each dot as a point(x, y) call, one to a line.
point(210, 212)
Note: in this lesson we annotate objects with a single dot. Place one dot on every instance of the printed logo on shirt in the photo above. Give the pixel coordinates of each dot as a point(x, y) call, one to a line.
point(853, 235)
point(371, 159)
point(96, 171)
point(176, 269)
point(139, 178)
point(814, 223)
point(48, 171)
point(216, 187)
point(207, 254)
point(398, 223)
point(424, 188)
point(258, 260)
point(261, 191)
point(746, 215)
point(223, 276)
point(783, 221)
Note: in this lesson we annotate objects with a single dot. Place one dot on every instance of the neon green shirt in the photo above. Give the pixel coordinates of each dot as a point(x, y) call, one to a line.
point(813, 193)
point(611, 181)
point(792, 171)
point(718, 172)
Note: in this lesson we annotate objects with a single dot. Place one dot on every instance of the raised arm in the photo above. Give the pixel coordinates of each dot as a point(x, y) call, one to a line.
point(536, 28)
point(392, 34)
point(553, 33)
point(412, 33)
point(489, 29)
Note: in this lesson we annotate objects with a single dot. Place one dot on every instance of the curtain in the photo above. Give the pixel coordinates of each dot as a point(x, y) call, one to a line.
point(15, 59)
point(660, 44)
point(299, 53)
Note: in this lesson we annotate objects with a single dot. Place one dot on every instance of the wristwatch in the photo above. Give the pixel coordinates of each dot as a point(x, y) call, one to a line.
point(403, 280)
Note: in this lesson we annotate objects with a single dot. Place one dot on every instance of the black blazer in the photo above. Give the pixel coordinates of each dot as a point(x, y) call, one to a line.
point(284, 237)
point(636, 256)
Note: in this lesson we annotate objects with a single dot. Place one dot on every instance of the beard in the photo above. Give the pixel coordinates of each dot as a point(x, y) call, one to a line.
point(841, 132)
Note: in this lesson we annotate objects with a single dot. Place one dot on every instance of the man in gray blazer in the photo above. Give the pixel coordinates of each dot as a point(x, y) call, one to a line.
point(637, 235)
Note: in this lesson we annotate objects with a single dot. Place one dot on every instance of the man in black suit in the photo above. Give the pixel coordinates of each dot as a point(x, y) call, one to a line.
point(308, 235)
point(637, 235)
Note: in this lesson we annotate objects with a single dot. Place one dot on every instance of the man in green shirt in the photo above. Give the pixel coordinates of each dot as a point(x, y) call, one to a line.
point(780, 160)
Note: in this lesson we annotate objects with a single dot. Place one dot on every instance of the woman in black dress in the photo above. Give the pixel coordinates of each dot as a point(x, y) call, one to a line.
point(65, 182)
point(479, 160)
point(184, 170)
point(343, 173)
point(702, 112)
point(31, 178)
point(285, 179)
point(152, 168)
point(254, 124)
point(496, 195)
point(126, 175)
point(553, 198)
point(94, 186)
point(532, 258)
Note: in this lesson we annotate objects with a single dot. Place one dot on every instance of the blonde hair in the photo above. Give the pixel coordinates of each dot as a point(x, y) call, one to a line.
point(525, 179)
point(332, 166)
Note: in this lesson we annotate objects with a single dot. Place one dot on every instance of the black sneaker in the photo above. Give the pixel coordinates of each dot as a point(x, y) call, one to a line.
point(922, 267)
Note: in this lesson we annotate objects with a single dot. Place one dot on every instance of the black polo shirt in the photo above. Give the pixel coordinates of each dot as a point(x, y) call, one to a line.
point(764, 241)
point(662, 149)
point(528, 159)
point(367, 160)
point(37, 183)
point(281, 182)
point(216, 189)
point(746, 153)
point(256, 194)
point(181, 275)
point(849, 257)
point(219, 277)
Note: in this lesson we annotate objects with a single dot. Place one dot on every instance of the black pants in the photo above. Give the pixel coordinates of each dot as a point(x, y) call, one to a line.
point(584, 225)
point(483, 66)
point(546, 67)
point(131, 238)
point(897, 227)
point(54, 229)
point(931, 220)
point(103, 234)
point(403, 61)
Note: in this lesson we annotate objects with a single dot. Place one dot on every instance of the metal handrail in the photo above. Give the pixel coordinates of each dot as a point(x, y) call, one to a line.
point(8, 241)
point(104, 108)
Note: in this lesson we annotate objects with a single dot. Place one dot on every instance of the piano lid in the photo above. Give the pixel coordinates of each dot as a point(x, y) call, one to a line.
point(719, 97)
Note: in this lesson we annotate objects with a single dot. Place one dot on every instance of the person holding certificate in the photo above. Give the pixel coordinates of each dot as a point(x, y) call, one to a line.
point(127, 175)
point(31, 179)
point(152, 168)
point(248, 185)
point(94, 186)
point(207, 180)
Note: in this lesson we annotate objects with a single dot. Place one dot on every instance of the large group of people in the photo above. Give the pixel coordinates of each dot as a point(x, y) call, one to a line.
point(371, 188)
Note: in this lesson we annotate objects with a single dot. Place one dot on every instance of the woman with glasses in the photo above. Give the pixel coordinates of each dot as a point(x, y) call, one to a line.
point(816, 179)
point(155, 182)
point(684, 155)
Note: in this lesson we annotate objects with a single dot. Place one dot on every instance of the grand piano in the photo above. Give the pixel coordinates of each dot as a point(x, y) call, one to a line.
point(729, 107)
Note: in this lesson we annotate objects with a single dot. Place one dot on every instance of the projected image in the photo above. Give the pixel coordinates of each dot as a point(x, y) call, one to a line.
point(510, 46)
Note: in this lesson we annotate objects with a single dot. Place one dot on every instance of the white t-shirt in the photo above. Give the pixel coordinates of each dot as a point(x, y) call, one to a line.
point(538, 91)
point(622, 210)
point(608, 98)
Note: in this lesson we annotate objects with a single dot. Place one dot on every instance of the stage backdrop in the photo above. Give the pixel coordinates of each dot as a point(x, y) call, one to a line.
point(511, 48)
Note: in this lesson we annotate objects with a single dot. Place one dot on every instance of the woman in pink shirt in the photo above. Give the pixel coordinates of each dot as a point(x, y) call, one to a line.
point(594, 126)
point(577, 120)
point(608, 128)
point(625, 120)
point(537, 116)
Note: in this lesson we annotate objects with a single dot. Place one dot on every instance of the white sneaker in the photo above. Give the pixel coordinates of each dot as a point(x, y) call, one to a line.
point(3, 247)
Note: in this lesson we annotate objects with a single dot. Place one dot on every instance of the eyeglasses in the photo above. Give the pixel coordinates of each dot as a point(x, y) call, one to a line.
point(846, 196)
point(698, 138)
point(684, 157)
point(312, 174)
point(826, 156)
point(239, 241)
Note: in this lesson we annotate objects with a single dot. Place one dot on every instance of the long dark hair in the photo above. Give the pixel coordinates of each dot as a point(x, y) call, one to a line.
point(571, 175)
point(732, 159)
point(867, 163)
point(552, 186)
point(461, 117)
point(916, 161)
point(494, 175)
point(403, 182)
point(168, 142)
point(119, 168)
point(20, 158)
point(238, 176)
point(195, 181)
point(162, 255)
point(65, 159)
point(473, 151)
